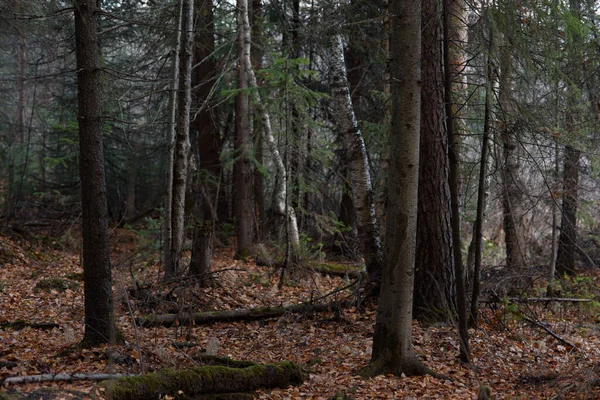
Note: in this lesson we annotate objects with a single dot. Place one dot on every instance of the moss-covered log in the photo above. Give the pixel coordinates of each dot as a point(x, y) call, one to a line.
point(206, 380)
point(250, 314)
point(335, 269)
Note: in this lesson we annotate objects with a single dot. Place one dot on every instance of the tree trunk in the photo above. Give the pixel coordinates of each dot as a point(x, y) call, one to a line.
point(242, 169)
point(206, 144)
point(393, 350)
point(168, 234)
point(182, 141)
point(280, 190)
point(434, 264)
point(512, 187)
point(132, 169)
point(257, 55)
point(567, 241)
point(357, 163)
point(453, 61)
point(99, 315)
point(481, 191)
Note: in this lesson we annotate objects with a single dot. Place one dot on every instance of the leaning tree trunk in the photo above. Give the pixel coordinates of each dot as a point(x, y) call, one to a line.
point(434, 263)
point(280, 194)
point(393, 351)
point(357, 163)
point(99, 314)
point(243, 209)
point(182, 141)
point(206, 144)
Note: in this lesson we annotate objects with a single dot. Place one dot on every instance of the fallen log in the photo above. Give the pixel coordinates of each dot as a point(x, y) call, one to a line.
point(12, 380)
point(204, 381)
point(341, 270)
point(251, 314)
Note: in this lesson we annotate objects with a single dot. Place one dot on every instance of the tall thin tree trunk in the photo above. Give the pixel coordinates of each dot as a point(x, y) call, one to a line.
point(393, 351)
point(206, 144)
point(481, 191)
point(280, 191)
point(357, 163)
point(168, 217)
point(257, 55)
point(434, 263)
point(512, 187)
point(182, 141)
point(98, 303)
point(553, 247)
point(242, 169)
point(453, 61)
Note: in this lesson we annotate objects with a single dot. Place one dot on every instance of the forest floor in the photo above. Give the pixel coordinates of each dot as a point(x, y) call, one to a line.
point(514, 358)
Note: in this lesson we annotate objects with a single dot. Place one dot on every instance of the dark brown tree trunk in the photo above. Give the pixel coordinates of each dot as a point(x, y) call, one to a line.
point(567, 241)
point(242, 169)
point(206, 143)
point(434, 265)
point(393, 351)
point(99, 317)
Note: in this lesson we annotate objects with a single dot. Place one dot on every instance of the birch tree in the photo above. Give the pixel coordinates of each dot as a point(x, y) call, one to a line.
point(280, 195)
point(357, 162)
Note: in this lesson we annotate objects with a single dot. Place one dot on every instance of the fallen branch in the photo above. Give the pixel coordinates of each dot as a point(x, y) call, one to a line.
point(533, 300)
point(59, 378)
point(551, 333)
point(251, 314)
point(21, 324)
point(204, 381)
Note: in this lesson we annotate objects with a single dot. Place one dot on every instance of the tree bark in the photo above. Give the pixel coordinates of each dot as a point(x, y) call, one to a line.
point(182, 141)
point(453, 61)
point(434, 263)
point(280, 191)
point(481, 191)
point(393, 351)
point(206, 144)
point(98, 303)
point(512, 187)
point(205, 380)
point(168, 233)
point(242, 169)
point(567, 241)
point(357, 163)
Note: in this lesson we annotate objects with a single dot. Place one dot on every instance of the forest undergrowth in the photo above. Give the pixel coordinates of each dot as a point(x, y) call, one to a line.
point(514, 353)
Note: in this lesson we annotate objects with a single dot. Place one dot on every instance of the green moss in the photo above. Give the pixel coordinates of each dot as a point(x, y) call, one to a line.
point(52, 284)
point(204, 380)
point(242, 254)
point(16, 325)
point(75, 276)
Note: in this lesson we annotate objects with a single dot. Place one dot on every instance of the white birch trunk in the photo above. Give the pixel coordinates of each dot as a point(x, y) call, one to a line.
point(280, 194)
point(358, 164)
point(182, 141)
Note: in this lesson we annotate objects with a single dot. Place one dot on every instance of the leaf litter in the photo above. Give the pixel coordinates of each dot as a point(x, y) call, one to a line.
point(514, 359)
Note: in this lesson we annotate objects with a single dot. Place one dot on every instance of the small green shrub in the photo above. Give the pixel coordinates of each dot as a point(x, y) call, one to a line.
point(52, 284)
